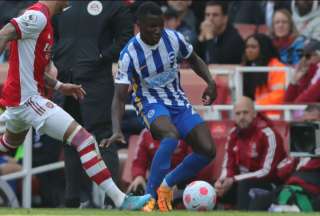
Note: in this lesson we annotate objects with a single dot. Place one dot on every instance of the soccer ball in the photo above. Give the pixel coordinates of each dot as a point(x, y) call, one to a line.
point(199, 196)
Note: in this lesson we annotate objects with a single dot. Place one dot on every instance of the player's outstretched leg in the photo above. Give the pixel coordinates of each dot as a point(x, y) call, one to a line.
point(98, 172)
point(62, 126)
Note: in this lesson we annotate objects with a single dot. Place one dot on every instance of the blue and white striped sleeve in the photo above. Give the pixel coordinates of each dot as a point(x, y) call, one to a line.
point(185, 48)
point(124, 69)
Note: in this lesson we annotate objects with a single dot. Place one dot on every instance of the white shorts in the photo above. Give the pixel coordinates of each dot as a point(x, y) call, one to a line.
point(40, 113)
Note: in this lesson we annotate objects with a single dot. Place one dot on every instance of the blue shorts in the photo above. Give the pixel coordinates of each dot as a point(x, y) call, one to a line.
point(185, 118)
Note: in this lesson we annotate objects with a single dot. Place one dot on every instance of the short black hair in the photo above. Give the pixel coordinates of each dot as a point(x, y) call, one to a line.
point(224, 5)
point(148, 8)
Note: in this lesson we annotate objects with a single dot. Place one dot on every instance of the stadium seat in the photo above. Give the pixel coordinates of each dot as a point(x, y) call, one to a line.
point(132, 147)
point(219, 131)
point(194, 86)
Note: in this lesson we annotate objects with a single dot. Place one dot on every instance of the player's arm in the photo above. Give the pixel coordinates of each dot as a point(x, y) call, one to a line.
point(118, 106)
point(121, 86)
point(67, 89)
point(117, 112)
point(7, 33)
point(202, 70)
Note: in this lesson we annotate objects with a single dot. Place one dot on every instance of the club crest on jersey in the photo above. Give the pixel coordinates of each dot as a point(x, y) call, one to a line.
point(95, 8)
point(151, 113)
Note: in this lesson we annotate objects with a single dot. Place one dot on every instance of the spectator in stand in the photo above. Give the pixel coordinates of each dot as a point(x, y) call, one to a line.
point(255, 12)
point(253, 151)
point(299, 175)
point(305, 83)
point(305, 14)
point(270, 6)
point(171, 18)
point(218, 38)
point(145, 152)
point(286, 37)
point(264, 88)
point(188, 23)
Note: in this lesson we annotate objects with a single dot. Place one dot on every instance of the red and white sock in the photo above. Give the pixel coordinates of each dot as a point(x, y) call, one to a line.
point(93, 165)
point(5, 146)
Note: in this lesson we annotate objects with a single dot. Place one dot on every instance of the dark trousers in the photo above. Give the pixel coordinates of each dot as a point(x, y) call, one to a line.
point(239, 196)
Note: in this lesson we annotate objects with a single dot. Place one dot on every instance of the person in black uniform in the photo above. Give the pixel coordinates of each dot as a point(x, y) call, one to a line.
point(89, 37)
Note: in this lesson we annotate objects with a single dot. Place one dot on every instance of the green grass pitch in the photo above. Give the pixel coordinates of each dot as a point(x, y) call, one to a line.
point(94, 212)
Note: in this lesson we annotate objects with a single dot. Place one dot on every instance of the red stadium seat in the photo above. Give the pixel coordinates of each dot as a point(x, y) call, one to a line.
point(193, 86)
point(132, 147)
point(219, 131)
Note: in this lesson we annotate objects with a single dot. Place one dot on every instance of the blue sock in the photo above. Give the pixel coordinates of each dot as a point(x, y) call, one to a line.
point(187, 169)
point(161, 164)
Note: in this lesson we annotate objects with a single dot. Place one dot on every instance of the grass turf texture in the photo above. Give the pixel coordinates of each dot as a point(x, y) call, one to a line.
point(93, 212)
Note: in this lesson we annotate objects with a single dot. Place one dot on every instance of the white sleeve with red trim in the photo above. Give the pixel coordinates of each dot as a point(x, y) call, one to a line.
point(30, 24)
point(267, 160)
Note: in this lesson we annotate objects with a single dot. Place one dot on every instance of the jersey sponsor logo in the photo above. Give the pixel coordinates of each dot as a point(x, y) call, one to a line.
point(161, 79)
point(95, 8)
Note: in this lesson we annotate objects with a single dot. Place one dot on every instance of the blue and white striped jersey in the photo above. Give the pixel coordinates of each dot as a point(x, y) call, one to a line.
point(153, 70)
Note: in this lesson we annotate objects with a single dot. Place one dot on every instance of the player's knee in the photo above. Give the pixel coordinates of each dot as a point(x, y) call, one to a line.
point(171, 134)
point(80, 136)
point(207, 148)
point(10, 143)
point(160, 135)
point(211, 151)
point(13, 140)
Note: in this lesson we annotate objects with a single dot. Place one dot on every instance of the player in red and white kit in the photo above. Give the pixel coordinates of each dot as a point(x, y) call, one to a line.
point(31, 37)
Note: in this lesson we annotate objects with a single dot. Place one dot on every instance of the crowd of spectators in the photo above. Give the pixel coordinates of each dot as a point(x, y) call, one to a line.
point(290, 37)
